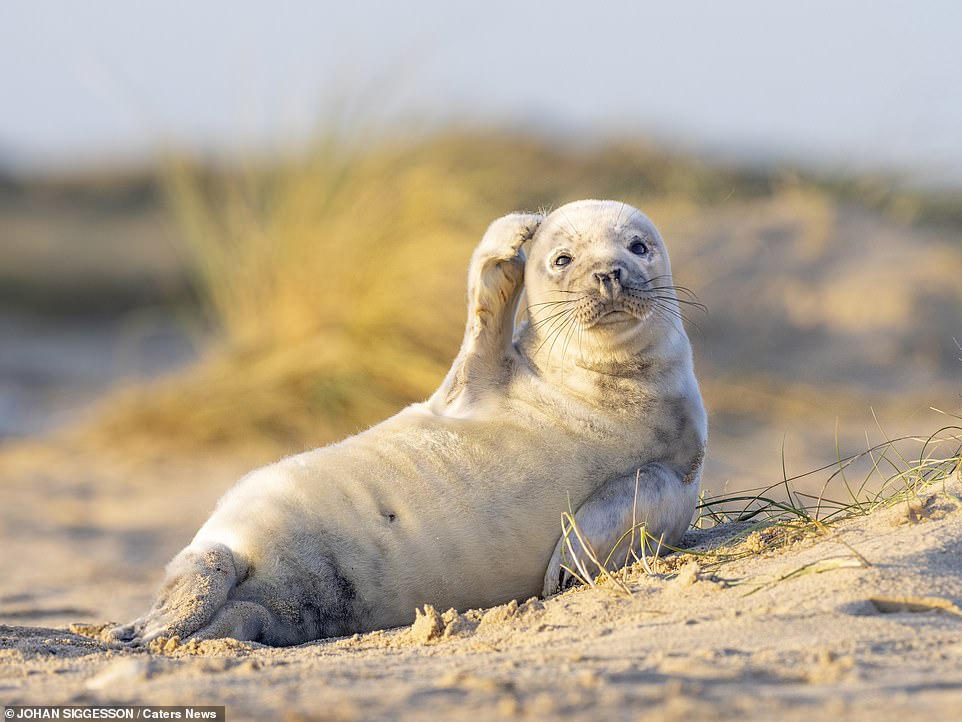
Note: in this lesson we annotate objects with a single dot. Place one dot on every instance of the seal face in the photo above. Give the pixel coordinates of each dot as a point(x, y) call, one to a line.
point(573, 390)
point(609, 269)
point(601, 270)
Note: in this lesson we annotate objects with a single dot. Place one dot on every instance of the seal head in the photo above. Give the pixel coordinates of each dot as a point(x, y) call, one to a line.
point(598, 282)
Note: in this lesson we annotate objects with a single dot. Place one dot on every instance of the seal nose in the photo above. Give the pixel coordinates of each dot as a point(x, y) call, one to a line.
point(609, 283)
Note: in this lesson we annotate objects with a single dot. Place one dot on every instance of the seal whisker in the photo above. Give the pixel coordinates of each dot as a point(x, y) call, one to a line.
point(641, 293)
point(694, 304)
point(691, 304)
point(570, 224)
point(620, 211)
point(665, 303)
point(551, 303)
point(687, 291)
point(679, 287)
point(552, 337)
point(552, 326)
point(568, 322)
point(564, 349)
point(595, 344)
point(676, 313)
point(580, 350)
point(673, 286)
point(656, 278)
point(535, 312)
point(660, 313)
point(552, 317)
point(554, 329)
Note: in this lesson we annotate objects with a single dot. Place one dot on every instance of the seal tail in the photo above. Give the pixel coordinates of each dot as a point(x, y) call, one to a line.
point(196, 587)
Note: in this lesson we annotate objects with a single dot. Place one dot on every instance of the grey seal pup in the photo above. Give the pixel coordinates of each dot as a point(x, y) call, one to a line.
point(584, 400)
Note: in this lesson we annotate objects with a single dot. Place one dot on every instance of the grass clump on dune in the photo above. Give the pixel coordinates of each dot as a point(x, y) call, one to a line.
point(733, 526)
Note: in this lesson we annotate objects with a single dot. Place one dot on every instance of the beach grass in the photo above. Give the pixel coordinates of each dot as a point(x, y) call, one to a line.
point(906, 471)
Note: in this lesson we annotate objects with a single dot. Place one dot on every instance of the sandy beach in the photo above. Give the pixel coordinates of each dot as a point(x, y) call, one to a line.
point(861, 621)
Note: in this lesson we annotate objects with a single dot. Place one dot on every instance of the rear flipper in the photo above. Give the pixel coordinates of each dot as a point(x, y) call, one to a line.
point(195, 589)
point(244, 621)
point(659, 499)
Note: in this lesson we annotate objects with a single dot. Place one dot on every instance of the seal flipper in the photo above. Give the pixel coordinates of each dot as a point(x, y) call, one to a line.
point(243, 621)
point(495, 280)
point(196, 587)
point(658, 497)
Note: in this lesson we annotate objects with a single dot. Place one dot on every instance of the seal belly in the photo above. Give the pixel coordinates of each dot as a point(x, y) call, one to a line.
point(427, 509)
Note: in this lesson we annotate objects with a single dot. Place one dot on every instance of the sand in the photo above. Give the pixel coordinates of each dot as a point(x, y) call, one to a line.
point(860, 622)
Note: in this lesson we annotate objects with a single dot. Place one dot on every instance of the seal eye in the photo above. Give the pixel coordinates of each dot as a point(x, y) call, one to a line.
point(562, 260)
point(638, 247)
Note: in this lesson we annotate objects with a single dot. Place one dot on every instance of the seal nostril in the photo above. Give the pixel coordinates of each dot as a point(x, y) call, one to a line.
point(613, 275)
point(609, 284)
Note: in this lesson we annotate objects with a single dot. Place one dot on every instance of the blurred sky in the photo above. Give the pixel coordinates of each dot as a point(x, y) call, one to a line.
point(841, 84)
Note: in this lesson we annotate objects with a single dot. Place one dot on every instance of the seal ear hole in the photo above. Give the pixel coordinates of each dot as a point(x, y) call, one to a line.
point(390, 516)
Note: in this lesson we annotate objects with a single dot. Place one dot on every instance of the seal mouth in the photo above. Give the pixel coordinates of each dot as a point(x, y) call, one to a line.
point(615, 315)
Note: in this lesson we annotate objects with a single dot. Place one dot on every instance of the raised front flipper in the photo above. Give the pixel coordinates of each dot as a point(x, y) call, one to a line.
point(657, 498)
point(495, 280)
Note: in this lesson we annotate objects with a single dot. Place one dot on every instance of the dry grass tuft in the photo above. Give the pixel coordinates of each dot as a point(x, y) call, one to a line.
point(766, 520)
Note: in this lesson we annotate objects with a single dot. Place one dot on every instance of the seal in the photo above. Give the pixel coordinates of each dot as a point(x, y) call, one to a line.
point(579, 398)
